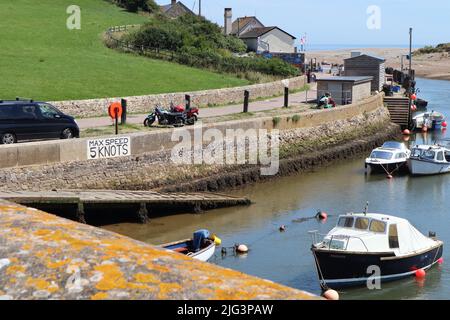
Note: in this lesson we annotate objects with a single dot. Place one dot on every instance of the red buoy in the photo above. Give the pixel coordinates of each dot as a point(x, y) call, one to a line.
point(425, 129)
point(421, 274)
point(323, 215)
point(444, 124)
point(406, 132)
point(390, 176)
point(413, 96)
point(441, 261)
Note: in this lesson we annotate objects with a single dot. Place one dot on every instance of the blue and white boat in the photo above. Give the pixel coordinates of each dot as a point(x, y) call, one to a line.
point(361, 243)
point(201, 247)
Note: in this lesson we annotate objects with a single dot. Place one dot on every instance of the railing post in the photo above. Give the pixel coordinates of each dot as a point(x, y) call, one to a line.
point(286, 97)
point(246, 100)
point(187, 99)
point(124, 112)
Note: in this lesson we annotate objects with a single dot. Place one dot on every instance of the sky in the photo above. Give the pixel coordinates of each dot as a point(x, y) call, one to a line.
point(343, 22)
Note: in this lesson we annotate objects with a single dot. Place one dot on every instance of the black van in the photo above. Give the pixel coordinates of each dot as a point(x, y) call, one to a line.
point(30, 120)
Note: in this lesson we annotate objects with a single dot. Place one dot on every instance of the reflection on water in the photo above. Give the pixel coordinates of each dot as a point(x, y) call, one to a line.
point(285, 257)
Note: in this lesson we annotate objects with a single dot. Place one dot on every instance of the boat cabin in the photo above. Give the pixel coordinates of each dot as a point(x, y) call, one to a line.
point(431, 153)
point(375, 233)
point(391, 150)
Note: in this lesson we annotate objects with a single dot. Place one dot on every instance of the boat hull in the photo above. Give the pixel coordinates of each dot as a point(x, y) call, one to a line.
point(343, 269)
point(422, 167)
point(401, 167)
point(203, 255)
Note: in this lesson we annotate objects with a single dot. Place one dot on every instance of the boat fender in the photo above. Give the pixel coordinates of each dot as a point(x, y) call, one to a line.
point(331, 295)
point(425, 129)
point(217, 240)
point(390, 176)
point(406, 132)
point(420, 274)
point(441, 261)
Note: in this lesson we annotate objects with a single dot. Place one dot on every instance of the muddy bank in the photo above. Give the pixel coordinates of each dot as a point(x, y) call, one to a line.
point(247, 175)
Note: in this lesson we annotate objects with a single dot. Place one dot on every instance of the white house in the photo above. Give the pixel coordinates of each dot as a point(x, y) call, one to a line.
point(258, 37)
point(269, 39)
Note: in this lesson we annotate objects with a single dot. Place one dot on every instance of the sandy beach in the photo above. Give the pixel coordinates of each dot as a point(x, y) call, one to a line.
point(432, 66)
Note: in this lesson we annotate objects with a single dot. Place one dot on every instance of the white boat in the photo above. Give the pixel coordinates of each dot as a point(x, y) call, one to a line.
point(392, 156)
point(201, 247)
point(363, 243)
point(430, 160)
point(431, 120)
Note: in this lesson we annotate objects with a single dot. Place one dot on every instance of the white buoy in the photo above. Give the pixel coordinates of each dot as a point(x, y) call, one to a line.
point(331, 295)
point(242, 248)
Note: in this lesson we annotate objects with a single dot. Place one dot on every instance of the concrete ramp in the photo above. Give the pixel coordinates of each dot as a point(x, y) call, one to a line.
point(140, 202)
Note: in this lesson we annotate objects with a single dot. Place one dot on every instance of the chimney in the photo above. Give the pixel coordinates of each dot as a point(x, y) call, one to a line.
point(228, 21)
point(174, 2)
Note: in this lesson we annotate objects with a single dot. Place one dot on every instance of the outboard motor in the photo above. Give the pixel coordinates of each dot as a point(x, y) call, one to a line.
point(199, 237)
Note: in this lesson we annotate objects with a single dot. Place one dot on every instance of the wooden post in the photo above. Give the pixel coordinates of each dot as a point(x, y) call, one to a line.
point(116, 111)
point(187, 99)
point(124, 111)
point(246, 100)
point(81, 213)
point(143, 214)
point(286, 97)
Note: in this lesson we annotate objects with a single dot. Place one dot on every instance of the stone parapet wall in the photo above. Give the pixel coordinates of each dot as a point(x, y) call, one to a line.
point(146, 103)
point(150, 166)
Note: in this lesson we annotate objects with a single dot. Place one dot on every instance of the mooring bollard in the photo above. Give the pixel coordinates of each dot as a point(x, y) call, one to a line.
point(246, 100)
point(286, 97)
point(123, 119)
point(187, 99)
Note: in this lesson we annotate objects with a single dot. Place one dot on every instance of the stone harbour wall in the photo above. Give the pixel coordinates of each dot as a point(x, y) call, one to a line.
point(146, 103)
point(154, 170)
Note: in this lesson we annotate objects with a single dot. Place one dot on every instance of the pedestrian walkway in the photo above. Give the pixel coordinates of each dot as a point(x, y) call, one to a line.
point(269, 104)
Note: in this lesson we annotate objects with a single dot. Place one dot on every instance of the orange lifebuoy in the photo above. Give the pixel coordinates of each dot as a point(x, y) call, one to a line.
point(115, 108)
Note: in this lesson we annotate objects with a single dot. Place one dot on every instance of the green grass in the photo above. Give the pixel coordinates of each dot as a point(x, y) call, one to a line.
point(41, 59)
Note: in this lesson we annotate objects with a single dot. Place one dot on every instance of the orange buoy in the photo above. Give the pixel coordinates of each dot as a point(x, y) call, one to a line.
point(421, 274)
point(331, 295)
point(406, 132)
point(322, 215)
point(441, 261)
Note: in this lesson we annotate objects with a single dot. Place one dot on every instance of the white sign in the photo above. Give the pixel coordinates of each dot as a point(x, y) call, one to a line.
point(109, 148)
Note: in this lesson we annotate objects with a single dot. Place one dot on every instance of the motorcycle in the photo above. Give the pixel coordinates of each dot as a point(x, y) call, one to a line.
point(191, 113)
point(165, 118)
point(177, 116)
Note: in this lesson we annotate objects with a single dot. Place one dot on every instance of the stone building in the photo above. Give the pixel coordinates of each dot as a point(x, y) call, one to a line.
point(176, 9)
point(257, 36)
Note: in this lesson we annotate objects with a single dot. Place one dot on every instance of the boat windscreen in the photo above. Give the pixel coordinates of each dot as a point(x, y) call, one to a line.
point(382, 155)
point(428, 154)
point(393, 145)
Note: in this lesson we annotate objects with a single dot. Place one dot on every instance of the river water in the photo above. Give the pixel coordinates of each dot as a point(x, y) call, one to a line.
point(343, 187)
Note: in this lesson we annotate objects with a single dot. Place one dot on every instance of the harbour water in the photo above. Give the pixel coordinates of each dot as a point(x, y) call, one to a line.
point(291, 201)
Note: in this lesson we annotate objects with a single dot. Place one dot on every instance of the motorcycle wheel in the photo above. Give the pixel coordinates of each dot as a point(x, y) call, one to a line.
point(149, 122)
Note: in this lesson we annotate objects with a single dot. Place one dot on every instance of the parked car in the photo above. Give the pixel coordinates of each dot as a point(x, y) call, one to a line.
point(32, 120)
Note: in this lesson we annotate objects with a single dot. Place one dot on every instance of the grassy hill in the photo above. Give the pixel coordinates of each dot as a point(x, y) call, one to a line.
point(41, 59)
